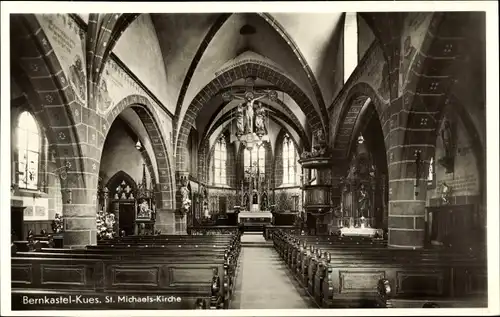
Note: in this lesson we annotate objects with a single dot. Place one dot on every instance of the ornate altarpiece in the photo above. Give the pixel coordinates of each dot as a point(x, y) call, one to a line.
point(356, 215)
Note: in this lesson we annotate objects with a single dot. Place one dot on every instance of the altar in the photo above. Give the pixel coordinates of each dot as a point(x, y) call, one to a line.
point(254, 221)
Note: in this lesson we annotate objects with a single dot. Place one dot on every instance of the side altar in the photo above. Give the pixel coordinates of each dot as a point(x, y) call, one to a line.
point(357, 214)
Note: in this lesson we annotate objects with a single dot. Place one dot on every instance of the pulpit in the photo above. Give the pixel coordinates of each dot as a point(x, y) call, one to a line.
point(316, 185)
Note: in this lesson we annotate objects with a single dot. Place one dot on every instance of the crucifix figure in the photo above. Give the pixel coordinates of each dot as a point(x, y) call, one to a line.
point(245, 114)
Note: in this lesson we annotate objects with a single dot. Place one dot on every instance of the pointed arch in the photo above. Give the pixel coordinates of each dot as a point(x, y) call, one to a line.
point(119, 177)
point(144, 109)
point(241, 71)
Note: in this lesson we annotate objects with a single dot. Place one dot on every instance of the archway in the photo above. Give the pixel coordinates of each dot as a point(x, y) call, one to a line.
point(164, 189)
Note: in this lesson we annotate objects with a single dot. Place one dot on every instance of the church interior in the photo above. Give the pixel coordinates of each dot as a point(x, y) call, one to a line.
point(249, 160)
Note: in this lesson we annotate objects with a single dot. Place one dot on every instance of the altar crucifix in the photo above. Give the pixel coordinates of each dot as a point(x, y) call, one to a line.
point(249, 114)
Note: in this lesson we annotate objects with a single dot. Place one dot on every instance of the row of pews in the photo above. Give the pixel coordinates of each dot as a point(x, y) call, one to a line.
point(133, 272)
point(355, 273)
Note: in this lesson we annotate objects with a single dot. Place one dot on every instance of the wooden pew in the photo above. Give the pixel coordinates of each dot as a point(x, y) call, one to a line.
point(329, 270)
point(203, 278)
point(189, 278)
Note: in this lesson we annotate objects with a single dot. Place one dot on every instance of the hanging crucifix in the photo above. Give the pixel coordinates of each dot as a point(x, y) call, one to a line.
point(250, 117)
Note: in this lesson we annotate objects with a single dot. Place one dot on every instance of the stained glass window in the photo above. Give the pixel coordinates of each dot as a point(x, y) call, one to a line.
point(220, 158)
point(289, 162)
point(28, 147)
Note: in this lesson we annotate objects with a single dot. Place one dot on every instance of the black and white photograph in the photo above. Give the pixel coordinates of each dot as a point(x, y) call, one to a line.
point(250, 158)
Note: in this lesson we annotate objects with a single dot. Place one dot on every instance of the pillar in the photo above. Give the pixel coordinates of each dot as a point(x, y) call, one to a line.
point(79, 210)
point(406, 216)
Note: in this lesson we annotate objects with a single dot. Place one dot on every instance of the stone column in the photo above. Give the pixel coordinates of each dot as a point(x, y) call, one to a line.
point(406, 219)
point(79, 210)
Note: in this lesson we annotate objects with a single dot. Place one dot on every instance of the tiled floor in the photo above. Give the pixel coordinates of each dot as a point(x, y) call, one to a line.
point(263, 280)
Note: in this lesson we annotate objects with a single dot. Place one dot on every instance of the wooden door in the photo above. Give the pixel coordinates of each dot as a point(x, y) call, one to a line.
point(16, 222)
point(127, 218)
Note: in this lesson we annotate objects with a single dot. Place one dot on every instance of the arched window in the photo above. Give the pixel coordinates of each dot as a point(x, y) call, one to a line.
point(220, 157)
point(258, 155)
point(350, 44)
point(289, 162)
point(28, 149)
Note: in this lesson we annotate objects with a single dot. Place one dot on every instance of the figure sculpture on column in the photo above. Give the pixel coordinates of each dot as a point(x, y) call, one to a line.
point(186, 202)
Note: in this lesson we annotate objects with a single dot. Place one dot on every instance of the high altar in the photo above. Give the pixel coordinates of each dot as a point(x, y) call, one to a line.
point(254, 195)
point(251, 131)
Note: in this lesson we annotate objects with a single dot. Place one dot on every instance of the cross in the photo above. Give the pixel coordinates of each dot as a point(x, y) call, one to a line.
point(250, 94)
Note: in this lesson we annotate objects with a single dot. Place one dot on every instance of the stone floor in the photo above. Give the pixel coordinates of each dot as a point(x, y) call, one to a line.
point(263, 281)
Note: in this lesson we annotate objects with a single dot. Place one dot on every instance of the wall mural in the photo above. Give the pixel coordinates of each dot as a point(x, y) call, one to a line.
point(116, 84)
point(68, 42)
point(374, 74)
point(462, 179)
point(414, 32)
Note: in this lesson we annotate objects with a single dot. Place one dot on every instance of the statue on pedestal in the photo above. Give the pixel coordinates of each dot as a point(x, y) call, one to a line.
point(363, 202)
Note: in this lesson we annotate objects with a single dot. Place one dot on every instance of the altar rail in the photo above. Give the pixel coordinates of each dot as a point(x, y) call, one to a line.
point(270, 230)
point(213, 230)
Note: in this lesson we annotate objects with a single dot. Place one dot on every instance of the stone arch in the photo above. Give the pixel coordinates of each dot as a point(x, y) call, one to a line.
point(54, 98)
point(222, 18)
point(242, 71)
point(118, 176)
point(387, 28)
point(273, 114)
point(39, 73)
point(351, 112)
point(101, 39)
point(286, 110)
point(144, 109)
point(427, 92)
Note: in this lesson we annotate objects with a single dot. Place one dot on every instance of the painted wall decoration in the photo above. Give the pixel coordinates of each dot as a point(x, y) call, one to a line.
point(116, 84)
point(68, 42)
point(376, 74)
point(464, 180)
point(414, 32)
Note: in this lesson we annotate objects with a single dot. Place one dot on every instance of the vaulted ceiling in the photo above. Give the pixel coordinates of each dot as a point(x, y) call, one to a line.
point(194, 48)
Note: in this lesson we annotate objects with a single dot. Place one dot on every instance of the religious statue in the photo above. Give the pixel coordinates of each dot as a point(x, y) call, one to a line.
point(363, 201)
point(264, 203)
point(320, 137)
point(259, 119)
point(249, 110)
point(186, 202)
point(445, 193)
point(240, 120)
point(144, 210)
point(446, 138)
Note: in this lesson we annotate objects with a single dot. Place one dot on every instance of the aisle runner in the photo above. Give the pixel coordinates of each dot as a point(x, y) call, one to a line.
point(263, 281)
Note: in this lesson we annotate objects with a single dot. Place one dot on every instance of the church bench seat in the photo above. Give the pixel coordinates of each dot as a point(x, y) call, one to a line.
point(338, 283)
point(431, 274)
point(189, 277)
